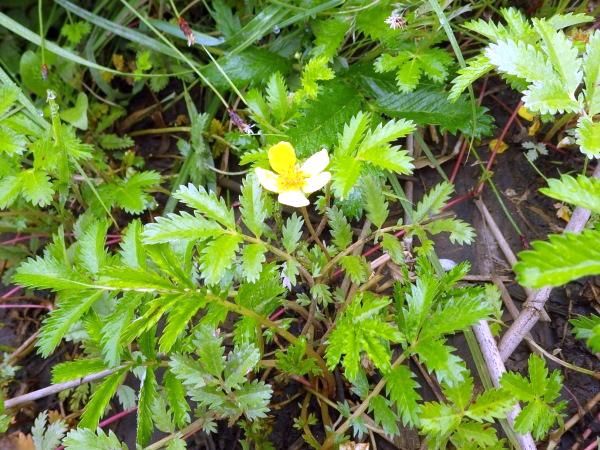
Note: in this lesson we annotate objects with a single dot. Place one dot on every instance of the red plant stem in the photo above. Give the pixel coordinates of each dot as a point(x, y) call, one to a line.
point(490, 162)
point(116, 417)
point(23, 306)
point(11, 292)
point(459, 160)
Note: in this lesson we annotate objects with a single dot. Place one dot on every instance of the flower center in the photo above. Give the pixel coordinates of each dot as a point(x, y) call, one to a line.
point(291, 180)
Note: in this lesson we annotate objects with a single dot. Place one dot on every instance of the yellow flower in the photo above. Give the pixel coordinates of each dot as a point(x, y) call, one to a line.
point(291, 180)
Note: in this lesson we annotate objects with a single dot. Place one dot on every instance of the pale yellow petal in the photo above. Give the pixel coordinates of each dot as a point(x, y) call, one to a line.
point(293, 198)
point(316, 163)
point(267, 179)
point(316, 182)
point(282, 157)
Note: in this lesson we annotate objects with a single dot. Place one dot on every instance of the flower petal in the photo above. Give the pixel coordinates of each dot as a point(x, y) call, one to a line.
point(293, 198)
point(316, 163)
point(282, 157)
point(267, 179)
point(316, 182)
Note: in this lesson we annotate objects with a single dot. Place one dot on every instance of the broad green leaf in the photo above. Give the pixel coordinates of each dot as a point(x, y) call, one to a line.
point(253, 259)
point(439, 358)
point(320, 121)
point(374, 201)
point(535, 418)
point(581, 191)
point(206, 203)
point(252, 205)
point(475, 435)
point(561, 259)
point(8, 97)
point(10, 188)
point(588, 137)
point(426, 105)
point(591, 70)
point(401, 388)
point(99, 400)
point(77, 115)
point(178, 227)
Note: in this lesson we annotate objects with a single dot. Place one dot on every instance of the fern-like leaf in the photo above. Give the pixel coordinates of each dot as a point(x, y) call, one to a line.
point(206, 203)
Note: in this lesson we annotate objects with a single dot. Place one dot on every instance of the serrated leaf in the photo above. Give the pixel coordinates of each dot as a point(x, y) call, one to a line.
point(581, 191)
point(132, 251)
point(588, 328)
point(433, 201)
point(353, 133)
point(401, 388)
point(252, 205)
point(217, 256)
point(240, 362)
point(175, 394)
point(393, 247)
point(10, 188)
point(291, 233)
point(177, 227)
point(469, 433)
point(562, 54)
point(361, 328)
point(8, 97)
point(177, 321)
point(559, 260)
point(11, 142)
point(36, 187)
point(341, 232)
point(95, 407)
point(115, 142)
point(476, 68)
point(384, 415)
point(71, 370)
point(535, 418)
point(439, 358)
point(374, 201)
point(277, 97)
point(521, 60)
point(439, 419)
point(47, 438)
point(408, 75)
point(549, 97)
point(206, 203)
point(60, 320)
point(91, 252)
point(492, 404)
point(253, 258)
point(82, 439)
point(346, 170)
point(356, 267)
point(591, 70)
point(460, 232)
point(316, 69)
point(426, 106)
point(146, 398)
point(588, 137)
point(115, 325)
point(253, 399)
point(321, 120)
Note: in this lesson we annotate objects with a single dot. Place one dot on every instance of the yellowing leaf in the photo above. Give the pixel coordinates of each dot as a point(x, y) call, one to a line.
point(563, 211)
point(525, 114)
point(498, 146)
point(534, 127)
